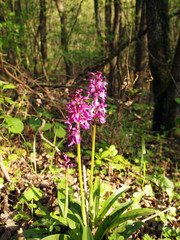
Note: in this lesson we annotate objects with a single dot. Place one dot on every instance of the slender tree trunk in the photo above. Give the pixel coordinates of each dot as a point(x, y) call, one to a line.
point(113, 76)
point(174, 90)
point(64, 38)
point(108, 12)
point(141, 43)
point(159, 55)
point(43, 32)
point(112, 37)
point(96, 10)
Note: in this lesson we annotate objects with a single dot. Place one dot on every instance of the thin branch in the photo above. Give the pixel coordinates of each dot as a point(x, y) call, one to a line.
point(157, 214)
point(46, 140)
point(6, 174)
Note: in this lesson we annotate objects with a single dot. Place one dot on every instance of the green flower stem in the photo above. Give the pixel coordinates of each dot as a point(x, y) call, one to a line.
point(66, 195)
point(92, 172)
point(81, 186)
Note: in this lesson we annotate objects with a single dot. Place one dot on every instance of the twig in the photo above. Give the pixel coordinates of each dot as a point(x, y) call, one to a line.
point(155, 215)
point(6, 174)
point(46, 140)
point(12, 76)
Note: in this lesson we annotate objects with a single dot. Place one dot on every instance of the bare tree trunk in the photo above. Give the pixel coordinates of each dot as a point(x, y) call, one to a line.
point(141, 43)
point(43, 32)
point(159, 55)
point(96, 10)
point(174, 90)
point(113, 76)
point(64, 38)
point(108, 23)
point(112, 37)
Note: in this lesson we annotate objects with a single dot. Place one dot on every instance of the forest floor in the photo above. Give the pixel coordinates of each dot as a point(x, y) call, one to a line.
point(153, 180)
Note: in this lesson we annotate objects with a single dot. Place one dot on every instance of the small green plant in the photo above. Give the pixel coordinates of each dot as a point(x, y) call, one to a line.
point(110, 158)
point(29, 197)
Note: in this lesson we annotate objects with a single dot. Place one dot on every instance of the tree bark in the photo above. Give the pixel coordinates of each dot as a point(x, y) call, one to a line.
point(43, 32)
point(174, 90)
point(96, 10)
point(64, 38)
point(159, 56)
point(141, 43)
point(113, 76)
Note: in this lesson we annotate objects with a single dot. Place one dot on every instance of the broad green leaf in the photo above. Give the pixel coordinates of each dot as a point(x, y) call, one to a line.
point(105, 154)
point(35, 123)
point(59, 130)
point(59, 219)
point(74, 234)
point(109, 202)
point(167, 185)
point(75, 223)
point(125, 230)
point(15, 124)
point(47, 126)
point(111, 221)
point(75, 215)
point(56, 237)
point(87, 234)
point(33, 193)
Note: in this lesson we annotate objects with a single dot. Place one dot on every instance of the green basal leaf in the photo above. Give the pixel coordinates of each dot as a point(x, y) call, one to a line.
point(135, 213)
point(125, 230)
point(111, 221)
point(96, 198)
point(116, 218)
point(75, 215)
point(109, 202)
point(56, 237)
point(60, 220)
point(15, 124)
point(87, 234)
point(61, 196)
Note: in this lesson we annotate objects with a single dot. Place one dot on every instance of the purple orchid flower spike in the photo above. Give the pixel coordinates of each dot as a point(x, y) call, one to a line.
point(78, 117)
point(66, 164)
point(97, 90)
